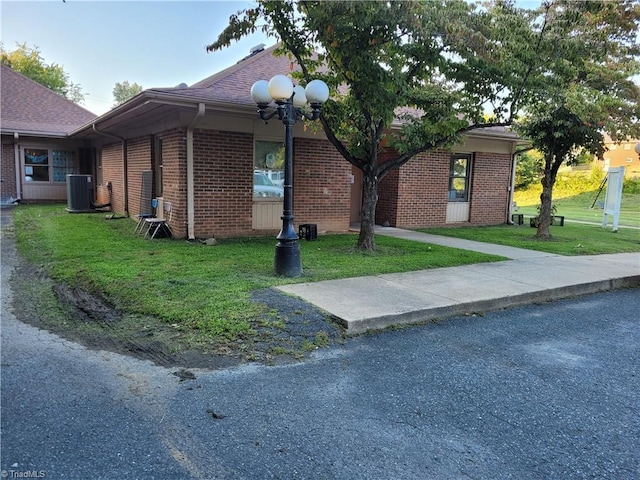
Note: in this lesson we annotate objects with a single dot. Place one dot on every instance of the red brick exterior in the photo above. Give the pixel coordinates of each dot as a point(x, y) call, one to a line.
point(8, 169)
point(223, 166)
point(416, 194)
point(489, 188)
point(322, 192)
point(139, 158)
point(412, 196)
point(174, 178)
point(113, 171)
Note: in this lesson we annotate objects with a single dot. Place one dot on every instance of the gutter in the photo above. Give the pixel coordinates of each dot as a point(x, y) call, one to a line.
point(124, 163)
point(16, 156)
point(162, 98)
point(190, 174)
point(512, 183)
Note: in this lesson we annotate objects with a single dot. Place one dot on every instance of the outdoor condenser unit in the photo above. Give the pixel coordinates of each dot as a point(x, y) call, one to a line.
point(79, 193)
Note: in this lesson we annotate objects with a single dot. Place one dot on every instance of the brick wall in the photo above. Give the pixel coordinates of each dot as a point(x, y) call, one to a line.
point(112, 171)
point(139, 158)
point(416, 194)
point(223, 165)
point(423, 190)
point(8, 172)
point(387, 207)
point(321, 188)
point(489, 188)
point(412, 196)
point(174, 178)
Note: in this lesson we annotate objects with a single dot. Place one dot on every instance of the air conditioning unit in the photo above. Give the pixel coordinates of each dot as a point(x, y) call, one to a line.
point(79, 193)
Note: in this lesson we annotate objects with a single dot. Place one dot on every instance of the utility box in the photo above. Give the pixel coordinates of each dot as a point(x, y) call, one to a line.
point(79, 193)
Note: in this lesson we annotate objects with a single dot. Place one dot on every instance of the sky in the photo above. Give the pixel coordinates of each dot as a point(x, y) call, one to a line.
point(153, 43)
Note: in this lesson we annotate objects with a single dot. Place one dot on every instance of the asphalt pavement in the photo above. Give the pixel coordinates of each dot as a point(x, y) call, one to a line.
point(535, 392)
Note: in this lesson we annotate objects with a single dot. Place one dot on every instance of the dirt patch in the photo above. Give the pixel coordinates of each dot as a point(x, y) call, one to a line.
point(289, 330)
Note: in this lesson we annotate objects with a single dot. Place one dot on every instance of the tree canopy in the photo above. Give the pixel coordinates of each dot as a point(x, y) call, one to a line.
point(590, 55)
point(411, 77)
point(29, 62)
point(434, 68)
point(123, 91)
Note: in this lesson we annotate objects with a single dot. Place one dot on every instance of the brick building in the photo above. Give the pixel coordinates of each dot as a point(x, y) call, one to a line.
point(204, 150)
point(622, 154)
point(37, 151)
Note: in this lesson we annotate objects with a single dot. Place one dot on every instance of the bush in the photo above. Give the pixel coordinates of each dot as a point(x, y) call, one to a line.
point(631, 185)
point(576, 183)
point(528, 168)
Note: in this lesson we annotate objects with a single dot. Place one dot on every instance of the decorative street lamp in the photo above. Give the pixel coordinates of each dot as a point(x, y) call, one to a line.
point(637, 149)
point(290, 101)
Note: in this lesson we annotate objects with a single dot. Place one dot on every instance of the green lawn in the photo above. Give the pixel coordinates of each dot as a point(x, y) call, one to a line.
point(578, 206)
point(202, 288)
point(571, 239)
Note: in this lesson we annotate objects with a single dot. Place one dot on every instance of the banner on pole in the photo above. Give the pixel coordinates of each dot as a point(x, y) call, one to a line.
point(613, 197)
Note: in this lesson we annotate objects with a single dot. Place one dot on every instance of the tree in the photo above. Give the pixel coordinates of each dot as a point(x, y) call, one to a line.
point(28, 61)
point(443, 67)
point(124, 91)
point(528, 168)
point(590, 56)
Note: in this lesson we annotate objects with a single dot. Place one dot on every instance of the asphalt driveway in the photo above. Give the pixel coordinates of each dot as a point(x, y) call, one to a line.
point(540, 392)
point(537, 392)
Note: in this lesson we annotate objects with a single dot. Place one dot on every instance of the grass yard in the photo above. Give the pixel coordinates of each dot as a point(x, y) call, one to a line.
point(578, 206)
point(197, 288)
point(571, 239)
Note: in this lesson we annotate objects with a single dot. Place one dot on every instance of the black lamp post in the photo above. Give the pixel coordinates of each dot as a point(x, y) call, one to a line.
point(290, 101)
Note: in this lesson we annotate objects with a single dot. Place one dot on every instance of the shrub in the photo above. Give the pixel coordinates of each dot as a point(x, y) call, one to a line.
point(631, 185)
point(576, 183)
point(528, 169)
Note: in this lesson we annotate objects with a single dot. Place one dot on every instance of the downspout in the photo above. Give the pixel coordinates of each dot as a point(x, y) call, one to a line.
point(190, 175)
point(16, 155)
point(124, 164)
point(512, 183)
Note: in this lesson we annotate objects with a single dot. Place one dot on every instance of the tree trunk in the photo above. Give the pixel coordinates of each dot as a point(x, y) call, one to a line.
point(366, 240)
point(546, 197)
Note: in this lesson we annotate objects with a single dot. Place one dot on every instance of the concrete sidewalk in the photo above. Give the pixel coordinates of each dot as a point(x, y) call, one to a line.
point(367, 303)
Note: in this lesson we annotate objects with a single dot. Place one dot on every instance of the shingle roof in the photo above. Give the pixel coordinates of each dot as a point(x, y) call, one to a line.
point(233, 85)
point(28, 107)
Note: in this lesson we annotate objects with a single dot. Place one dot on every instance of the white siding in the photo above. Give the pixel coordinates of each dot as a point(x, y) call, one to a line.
point(457, 212)
point(267, 213)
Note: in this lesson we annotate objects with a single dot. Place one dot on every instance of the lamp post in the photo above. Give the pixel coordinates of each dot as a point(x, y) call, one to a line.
point(290, 102)
point(637, 149)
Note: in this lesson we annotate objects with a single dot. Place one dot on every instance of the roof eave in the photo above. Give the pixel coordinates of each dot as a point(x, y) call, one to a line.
point(33, 133)
point(162, 98)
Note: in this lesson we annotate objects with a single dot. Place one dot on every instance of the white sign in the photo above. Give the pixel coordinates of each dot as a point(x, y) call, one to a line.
point(613, 197)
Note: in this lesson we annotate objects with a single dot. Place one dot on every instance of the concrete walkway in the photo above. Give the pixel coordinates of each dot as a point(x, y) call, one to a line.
point(374, 302)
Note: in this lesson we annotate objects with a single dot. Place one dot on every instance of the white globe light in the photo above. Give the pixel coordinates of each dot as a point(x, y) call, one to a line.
point(260, 92)
point(299, 97)
point(317, 92)
point(280, 87)
point(637, 148)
